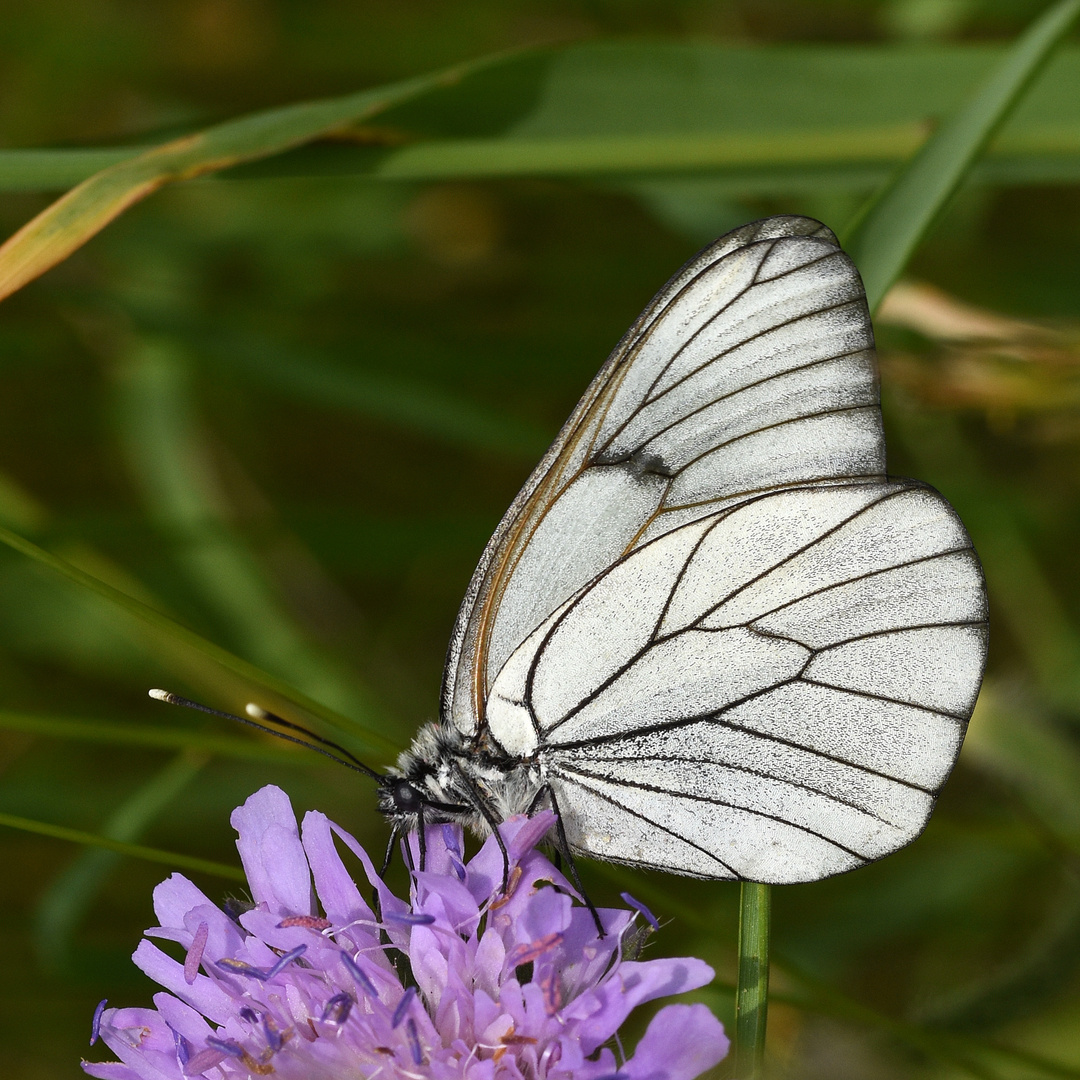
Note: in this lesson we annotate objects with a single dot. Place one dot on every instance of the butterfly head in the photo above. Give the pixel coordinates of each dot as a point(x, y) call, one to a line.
point(425, 786)
point(406, 801)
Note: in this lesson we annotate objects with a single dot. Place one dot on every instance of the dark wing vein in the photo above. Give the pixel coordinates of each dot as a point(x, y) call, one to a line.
point(716, 717)
point(770, 329)
point(578, 771)
point(683, 417)
point(858, 577)
point(654, 640)
point(661, 828)
point(958, 717)
point(597, 759)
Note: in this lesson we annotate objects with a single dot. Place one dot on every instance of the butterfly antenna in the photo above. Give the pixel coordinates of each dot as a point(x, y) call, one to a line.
point(256, 713)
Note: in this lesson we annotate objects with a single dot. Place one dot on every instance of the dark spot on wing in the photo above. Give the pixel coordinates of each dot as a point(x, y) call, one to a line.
point(638, 464)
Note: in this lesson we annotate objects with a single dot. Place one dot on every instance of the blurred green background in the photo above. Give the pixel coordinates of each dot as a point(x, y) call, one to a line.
point(288, 404)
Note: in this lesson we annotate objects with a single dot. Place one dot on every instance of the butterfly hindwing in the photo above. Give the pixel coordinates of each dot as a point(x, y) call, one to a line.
point(775, 692)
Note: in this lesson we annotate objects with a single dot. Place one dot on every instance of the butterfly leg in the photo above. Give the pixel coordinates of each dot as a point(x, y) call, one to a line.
point(479, 804)
point(562, 849)
point(421, 837)
point(376, 905)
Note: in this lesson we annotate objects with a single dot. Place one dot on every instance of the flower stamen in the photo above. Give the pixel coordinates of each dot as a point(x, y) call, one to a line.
point(403, 1006)
point(194, 955)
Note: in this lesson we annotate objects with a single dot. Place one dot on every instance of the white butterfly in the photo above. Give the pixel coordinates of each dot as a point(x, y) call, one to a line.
point(710, 630)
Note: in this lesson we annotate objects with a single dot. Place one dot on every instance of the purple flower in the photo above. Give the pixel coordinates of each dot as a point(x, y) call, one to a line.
point(464, 982)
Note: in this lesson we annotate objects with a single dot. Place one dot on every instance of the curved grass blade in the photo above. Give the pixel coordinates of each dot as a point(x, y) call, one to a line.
point(66, 900)
point(887, 233)
point(182, 636)
point(84, 211)
point(135, 851)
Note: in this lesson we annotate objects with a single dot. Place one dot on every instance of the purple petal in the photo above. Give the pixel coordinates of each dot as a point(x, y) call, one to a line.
point(174, 898)
point(631, 984)
point(338, 893)
point(224, 938)
point(449, 899)
point(430, 967)
point(539, 915)
point(270, 849)
point(142, 1041)
point(521, 834)
point(266, 929)
point(681, 1043)
point(440, 856)
point(204, 1061)
point(489, 961)
point(182, 1018)
point(387, 899)
point(109, 1070)
point(203, 994)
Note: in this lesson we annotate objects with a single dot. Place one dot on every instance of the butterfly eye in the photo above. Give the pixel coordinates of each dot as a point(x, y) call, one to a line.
point(406, 797)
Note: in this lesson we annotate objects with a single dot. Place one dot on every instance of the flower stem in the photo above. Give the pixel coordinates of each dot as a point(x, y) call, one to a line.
point(752, 994)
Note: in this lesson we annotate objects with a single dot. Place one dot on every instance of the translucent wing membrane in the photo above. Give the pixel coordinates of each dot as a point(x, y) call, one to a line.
point(751, 370)
point(730, 643)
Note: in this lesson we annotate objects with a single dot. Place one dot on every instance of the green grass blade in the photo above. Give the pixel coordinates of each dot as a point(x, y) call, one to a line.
point(66, 900)
point(652, 109)
point(135, 851)
point(752, 993)
point(889, 231)
point(180, 635)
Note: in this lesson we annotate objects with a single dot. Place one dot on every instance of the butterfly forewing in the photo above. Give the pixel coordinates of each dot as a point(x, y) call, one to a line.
point(732, 645)
point(751, 369)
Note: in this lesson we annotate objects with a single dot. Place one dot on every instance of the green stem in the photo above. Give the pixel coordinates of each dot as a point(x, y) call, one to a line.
point(752, 993)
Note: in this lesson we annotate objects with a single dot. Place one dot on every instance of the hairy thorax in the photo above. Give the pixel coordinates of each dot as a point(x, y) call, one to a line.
point(485, 786)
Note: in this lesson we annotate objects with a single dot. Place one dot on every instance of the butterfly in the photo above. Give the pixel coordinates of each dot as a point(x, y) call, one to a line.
point(711, 632)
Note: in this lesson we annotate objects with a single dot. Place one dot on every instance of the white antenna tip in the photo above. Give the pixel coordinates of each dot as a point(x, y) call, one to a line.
point(160, 695)
point(256, 712)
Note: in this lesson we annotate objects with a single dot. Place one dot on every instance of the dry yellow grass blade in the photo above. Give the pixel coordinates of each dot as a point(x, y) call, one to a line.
point(84, 211)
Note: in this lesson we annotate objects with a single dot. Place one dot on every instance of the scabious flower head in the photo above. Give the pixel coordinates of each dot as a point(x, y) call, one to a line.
point(463, 982)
